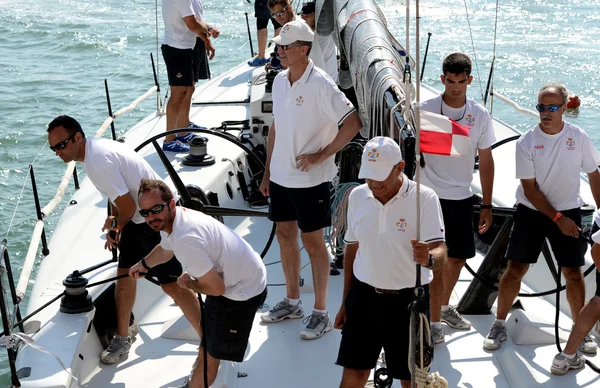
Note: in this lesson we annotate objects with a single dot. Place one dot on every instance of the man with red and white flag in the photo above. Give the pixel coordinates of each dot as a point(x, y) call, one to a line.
point(454, 129)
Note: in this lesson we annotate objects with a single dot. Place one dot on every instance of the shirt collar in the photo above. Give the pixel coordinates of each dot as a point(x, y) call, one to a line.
point(400, 194)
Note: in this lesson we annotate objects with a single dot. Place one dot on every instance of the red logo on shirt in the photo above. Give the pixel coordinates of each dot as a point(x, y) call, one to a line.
point(540, 147)
point(570, 144)
point(402, 225)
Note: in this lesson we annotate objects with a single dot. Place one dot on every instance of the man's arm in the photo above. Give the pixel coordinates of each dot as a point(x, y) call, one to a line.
point(349, 257)
point(211, 283)
point(422, 250)
point(540, 202)
point(486, 177)
point(158, 256)
point(350, 127)
point(594, 179)
point(264, 185)
point(123, 210)
point(195, 25)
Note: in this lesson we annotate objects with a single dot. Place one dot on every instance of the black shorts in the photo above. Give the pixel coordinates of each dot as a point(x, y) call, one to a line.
point(201, 68)
point(375, 321)
point(458, 227)
point(137, 241)
point(261, 9)
point(529, 230)
point(179, 64)
point(310, 206)
point(228, 324)
point(262, 23)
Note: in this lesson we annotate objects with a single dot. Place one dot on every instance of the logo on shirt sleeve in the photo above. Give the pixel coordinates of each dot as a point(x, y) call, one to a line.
point(570, 144)
point(401, 224)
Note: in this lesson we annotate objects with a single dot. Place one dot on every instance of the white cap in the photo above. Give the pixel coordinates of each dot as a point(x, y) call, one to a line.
point(294, 31)
point(380, 155)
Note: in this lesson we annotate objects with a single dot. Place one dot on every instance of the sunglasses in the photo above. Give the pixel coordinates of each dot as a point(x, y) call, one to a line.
point(550, 108)
point(62, 144)
point(154, 209)
point(280, 13)
point(286, 47)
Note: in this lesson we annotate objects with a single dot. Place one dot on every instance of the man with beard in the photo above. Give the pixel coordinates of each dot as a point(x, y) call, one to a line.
point(116, 171)
point(218, 263)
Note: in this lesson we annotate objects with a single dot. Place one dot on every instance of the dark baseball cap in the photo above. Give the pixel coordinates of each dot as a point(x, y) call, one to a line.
point(308, 8)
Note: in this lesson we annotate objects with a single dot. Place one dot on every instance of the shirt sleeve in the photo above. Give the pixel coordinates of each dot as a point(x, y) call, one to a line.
point(184, 7)
point(334, 104)
point(525, 169)
point(349, 236)
point(488, 137)
point(164, 241)
point(192, 252)
point(432, 225)
point(109, 181)
point(591, 158)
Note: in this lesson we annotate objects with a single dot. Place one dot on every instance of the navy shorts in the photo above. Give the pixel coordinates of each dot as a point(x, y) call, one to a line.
point(310, 206)
point(137, 241)
point(532, 227)
point(200, 67)
point(228, 325)
point(458, 227)
point(375, 321)
point(180, 65)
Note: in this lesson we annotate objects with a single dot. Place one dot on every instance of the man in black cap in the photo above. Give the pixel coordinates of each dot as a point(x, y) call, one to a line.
point(324, 44)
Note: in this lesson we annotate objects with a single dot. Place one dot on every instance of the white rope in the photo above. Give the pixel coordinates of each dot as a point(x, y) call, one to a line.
point(61, 190)
point(29, 260)
point(421, 374)
point(516, 106)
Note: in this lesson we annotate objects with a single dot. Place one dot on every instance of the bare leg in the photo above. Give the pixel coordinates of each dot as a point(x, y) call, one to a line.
point(317, 251)
point(187, 301)
point(198, 374)
point(262, 42)
point(406, 383)
point(354, 378)
point(184, 116)
point(436, 289)
point(125, 297)
point(451, 273)
point(174, 108)
point(287, 236)
point(586, 320)
point(575, 290)
point(509, 287)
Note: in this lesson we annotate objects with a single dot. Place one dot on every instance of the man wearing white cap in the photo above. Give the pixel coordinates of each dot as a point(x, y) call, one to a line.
point(589, 314)
point(308, 109)
point(379, 262)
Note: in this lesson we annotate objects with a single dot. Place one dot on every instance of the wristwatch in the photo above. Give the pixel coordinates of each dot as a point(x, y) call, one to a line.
point(113, 224)
point(431, 262)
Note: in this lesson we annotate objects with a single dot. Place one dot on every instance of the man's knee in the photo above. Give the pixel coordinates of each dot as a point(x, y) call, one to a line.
point(352, 378)
point(287, 231)
point(516, 270)
point(313, 242)
point(573, 274)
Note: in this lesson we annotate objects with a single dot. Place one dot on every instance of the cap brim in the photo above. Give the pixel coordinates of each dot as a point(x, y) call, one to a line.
point(377, 174)
point(280, 41)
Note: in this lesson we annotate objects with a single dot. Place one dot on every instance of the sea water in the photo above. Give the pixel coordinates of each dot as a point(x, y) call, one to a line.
point(55, 55)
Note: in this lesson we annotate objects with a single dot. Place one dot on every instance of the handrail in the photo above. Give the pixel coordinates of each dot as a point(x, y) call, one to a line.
point(60, 192)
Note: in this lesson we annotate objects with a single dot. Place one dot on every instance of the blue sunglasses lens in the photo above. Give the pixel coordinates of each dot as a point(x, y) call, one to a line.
point(551, 108)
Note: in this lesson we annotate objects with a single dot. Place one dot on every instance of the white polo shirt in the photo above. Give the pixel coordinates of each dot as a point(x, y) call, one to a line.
point(115, 170)
point(383, 232)
point(201, 243)
point(307, 117)
point(198, 9)
point(328, 54)
point(177, 34)
point(451, 176)
point(555, 161)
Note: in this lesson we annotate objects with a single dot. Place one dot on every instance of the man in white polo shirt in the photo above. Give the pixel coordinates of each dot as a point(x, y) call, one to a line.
point(181, 29)
point(325, 44)
point(379, 262)
point(308, 108)
point(588, 316)
point(218, 263)
point(116, 170)
point(549, 159)
point(450, 177)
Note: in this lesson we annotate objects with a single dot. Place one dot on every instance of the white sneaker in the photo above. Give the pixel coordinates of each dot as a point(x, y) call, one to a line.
point(437, 335)
point(283, 310)
point(495, 337)
point(561, 364)
point(454, 319)
point(118, 347)
point(588, 346)
point(318, 324)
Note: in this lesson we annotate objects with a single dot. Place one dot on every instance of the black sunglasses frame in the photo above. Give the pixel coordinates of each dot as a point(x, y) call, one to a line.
point(61, 145)
point(146, 212)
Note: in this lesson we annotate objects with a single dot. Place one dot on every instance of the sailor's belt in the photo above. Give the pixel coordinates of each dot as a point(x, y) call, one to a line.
point(385, 292)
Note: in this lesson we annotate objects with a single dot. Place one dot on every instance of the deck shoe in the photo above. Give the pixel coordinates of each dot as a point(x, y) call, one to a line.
point(495, 337)
point(283, 310)
point(437, 335)
point(317, 325)
point(185, 139)
point(119, 346)
point(453, 319)
point(588, 346)
point(258, 61)
point(562, 364)
point(175, 146)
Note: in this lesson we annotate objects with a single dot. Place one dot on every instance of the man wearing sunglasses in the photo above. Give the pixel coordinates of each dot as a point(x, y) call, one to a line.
point(116, 171)
point(308, 109)
point(549, 159)
point(218, 263)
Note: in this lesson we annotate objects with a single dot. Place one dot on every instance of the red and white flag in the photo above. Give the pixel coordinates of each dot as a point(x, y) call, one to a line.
point(441, 135)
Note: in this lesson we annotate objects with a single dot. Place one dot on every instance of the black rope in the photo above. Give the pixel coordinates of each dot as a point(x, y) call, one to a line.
point(39, 309)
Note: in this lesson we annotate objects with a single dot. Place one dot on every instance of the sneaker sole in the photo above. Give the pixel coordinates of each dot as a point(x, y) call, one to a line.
point(456, 326)
point(306, 337)
point(493, 346)
point(282, 318)
point(110, 362)
point(439, 340)
point(561, 372)
point(592, 352)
